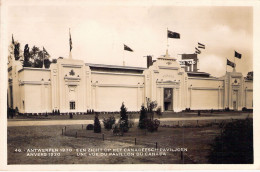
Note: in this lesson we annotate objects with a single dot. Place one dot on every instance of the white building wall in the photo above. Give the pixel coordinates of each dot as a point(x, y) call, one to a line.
point(109, 90)
point(34, 90)
point(44, 90)
point(248, 94)
point(205, 93)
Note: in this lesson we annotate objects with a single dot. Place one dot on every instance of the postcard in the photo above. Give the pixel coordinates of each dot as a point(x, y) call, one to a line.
point(131, 85)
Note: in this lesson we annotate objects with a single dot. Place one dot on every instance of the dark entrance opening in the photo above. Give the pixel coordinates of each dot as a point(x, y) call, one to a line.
point(168, 106)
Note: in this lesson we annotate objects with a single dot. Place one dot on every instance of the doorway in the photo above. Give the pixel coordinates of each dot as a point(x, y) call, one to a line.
point(168, 99)
point(235, 98)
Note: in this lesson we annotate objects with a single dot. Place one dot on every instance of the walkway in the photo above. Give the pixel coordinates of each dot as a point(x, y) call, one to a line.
point(11, 123)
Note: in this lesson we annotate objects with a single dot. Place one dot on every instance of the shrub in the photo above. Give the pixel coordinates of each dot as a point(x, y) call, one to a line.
point(227, 109)
point(234, 145)
point(151, 105)
point(97, 126)
point(117, 130)
point(244, 109)
point(71, 115)
point(159, 111)
point(90, 127)
point(152, 125)
point(123, 122)
point(16, 110)
point(109, 122)
point(142, 118)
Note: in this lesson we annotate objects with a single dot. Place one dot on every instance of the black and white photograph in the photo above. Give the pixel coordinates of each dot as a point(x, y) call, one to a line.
point(123, 83)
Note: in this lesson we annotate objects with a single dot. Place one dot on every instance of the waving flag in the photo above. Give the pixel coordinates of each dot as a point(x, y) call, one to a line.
point(171, 34)
point(201, 45)
point(127, 48)
point(197, 50)
point(230, 63)
point(238, 55)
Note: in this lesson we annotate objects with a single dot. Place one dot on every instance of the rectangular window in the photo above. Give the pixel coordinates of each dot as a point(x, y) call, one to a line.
point(72, 105)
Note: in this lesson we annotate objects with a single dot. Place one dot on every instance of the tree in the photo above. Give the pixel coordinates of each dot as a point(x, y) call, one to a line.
point(97, 125)
point(142, 118)
point(36, 57)
point(123, 118)
point(109, 122)
point(54, 61)
point(234, 145)
point(151, 105)
point(250, 75)
point(17, 51)
point(46, 57)
point(26, 54)
point(47, 63)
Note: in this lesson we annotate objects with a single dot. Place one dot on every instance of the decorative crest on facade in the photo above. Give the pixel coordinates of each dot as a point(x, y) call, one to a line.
point(72, 73)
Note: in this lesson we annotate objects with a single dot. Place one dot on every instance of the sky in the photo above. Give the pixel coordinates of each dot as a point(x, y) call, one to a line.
point(99, 32)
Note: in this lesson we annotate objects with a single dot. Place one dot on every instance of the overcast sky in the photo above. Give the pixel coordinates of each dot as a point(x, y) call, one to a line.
point(99, 32)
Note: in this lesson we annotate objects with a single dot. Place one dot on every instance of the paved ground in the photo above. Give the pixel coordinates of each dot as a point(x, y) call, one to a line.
point(22, 122)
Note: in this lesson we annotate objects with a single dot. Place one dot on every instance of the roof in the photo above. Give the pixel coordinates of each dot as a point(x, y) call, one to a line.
point(199, 74)
point(114, 68)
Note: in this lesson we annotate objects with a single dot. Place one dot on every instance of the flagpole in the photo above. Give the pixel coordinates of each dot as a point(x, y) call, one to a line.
point(166, 55)
point(234, 69)
point(124, 56)
point(226, 65)
point(167, 39)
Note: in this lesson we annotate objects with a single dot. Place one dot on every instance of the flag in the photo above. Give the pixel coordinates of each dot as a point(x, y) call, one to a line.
point(197, 50)
point(70, 43)
point(230, 63)
point(173, 34)
point(238, 55)
point(201, 45)
point(12, 39)
point(127, 48)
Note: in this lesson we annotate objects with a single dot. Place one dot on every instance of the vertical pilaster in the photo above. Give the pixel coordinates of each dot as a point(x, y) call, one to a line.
point(161, 100)
point(42, 96)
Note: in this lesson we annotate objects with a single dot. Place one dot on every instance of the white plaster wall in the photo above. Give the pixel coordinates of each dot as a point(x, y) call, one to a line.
point(204, 99)
point(248, 94)
point(117, 78)
point(34, 90)
point(33, 100)
point(205, 94)
point(109, 90)
point(111, 98)
point(249, 99)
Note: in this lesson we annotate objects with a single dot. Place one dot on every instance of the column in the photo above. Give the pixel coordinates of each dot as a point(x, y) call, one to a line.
point(42, 96)
point(161, 99)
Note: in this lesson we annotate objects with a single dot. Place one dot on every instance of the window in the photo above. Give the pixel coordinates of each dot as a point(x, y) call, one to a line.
point(72, 105)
